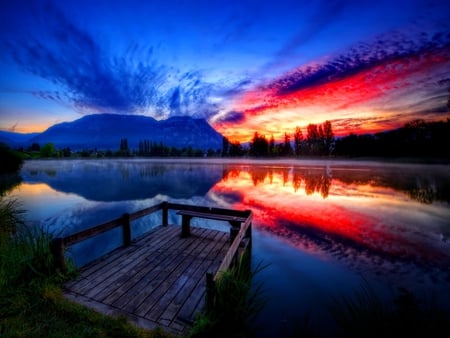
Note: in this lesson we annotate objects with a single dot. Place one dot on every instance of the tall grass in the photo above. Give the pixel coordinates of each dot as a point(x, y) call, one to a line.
point(31, 300)
point(235, 305)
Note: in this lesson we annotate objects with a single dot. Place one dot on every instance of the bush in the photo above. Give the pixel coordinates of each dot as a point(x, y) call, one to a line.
point(10, 160)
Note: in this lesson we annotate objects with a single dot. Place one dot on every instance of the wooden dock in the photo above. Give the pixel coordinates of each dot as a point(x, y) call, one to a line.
point(163, 278)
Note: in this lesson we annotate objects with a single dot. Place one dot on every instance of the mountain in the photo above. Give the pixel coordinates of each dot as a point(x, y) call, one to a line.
point(104, 131)
point(15, 139)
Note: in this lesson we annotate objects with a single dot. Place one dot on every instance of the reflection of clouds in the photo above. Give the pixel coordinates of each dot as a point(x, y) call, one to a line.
point(364, 217)
point(371, 228)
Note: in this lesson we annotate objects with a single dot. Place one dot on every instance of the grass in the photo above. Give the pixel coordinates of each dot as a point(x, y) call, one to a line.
point(235, 305)
point(31, 301)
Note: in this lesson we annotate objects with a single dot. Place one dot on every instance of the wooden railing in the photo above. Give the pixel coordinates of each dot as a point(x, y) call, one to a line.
point(237, 235)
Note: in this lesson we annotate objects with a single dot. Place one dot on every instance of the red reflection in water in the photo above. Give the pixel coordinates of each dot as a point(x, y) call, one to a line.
point(301, 204)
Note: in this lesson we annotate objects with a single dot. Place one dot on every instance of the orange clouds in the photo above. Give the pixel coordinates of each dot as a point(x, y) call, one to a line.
point(363, 100)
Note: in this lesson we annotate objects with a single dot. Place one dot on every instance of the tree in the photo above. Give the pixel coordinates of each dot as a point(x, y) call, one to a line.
point(272, 146)
point(48, 150)
point(225, 146)
point(328, 137)
point(287, 148)
point(123, 149)
point(312, 139)
point(298, 140)
point(10, 160)
point(259, 145)
point(236, 149)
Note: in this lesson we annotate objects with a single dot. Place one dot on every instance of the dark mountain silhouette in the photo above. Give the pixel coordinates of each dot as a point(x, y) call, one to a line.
point(104, 131)
point(15, 139)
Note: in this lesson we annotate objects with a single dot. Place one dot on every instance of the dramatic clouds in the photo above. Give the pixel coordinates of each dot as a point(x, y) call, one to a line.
point(245, 66)
point(376, 85)
point(91, 79)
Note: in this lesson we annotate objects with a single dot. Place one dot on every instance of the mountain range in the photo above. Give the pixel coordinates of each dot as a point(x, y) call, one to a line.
point(105, 131)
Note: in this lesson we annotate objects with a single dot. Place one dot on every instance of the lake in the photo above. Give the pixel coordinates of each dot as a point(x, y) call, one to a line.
point(323, 228)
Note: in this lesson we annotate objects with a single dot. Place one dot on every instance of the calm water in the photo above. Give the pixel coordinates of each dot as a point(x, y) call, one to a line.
point(322, 226)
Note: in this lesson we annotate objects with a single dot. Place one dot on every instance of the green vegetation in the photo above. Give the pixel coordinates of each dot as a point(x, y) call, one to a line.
point(235, 304)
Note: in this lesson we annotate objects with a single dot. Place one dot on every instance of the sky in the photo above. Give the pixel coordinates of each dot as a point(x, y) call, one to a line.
point(245, 66)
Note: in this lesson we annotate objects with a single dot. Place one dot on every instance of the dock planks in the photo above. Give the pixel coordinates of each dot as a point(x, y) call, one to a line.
point(157, 281)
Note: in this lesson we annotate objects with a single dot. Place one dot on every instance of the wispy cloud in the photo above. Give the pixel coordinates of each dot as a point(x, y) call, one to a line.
point(365, 56)
point(95, 79)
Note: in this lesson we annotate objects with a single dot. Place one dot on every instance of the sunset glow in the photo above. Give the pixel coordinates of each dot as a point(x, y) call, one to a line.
point(295, 203)
point(243, 66)
point(371, 100)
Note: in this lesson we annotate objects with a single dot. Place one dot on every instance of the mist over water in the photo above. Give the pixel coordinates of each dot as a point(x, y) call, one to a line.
point(322, 226)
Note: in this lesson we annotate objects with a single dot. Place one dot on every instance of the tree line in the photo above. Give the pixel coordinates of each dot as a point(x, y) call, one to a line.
point(319, 141)
point(415, 139)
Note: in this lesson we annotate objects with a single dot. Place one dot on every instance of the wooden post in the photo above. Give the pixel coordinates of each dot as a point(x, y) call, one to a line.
point(126, 227)
point(210, 291)
point(233, 233)
point(58, 251)
point(185, 226)
point(248, 234)
point(165, 214)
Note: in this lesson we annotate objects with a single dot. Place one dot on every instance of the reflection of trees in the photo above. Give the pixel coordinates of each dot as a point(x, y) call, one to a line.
point(317, 181)
point(152, 171)
point(125, 171)
point(258, 175)
point(423, 184)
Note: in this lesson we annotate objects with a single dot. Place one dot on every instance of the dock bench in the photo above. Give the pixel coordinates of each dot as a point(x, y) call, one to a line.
point(187, 215)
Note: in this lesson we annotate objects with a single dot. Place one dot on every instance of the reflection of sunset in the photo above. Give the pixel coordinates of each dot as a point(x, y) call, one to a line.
point(34, 189)
point(293, 202)
point(41, 201)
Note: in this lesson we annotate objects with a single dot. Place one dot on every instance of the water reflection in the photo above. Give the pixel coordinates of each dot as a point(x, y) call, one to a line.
point(417, 182)
point(318, 224)
point(346, 211)
point(123, 180)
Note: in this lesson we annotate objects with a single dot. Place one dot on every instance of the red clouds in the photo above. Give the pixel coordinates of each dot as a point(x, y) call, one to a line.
point(359, 93)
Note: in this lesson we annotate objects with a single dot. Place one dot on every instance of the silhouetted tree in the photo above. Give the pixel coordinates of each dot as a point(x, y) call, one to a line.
point(35, 147)
point(236, 149)
point(48, 150)
point(123, 149)
point(328, 137)
point(312, 139)
point(259, 145)
point(225, 146)
point(287, 148)
point(298, 140)
point(10, 160)
point(272, 146)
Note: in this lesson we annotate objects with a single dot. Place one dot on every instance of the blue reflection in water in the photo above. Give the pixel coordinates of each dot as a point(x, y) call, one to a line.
point(320, 227)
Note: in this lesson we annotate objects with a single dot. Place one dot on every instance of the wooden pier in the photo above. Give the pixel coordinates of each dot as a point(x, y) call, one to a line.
point(164, 277)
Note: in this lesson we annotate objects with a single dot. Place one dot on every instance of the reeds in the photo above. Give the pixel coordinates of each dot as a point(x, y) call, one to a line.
point(237, 301)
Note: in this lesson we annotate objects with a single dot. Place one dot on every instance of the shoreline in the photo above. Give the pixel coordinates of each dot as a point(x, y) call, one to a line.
point(290, 161)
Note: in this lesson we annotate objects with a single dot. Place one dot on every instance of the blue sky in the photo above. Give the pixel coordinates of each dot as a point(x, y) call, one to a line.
point(243, 65)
